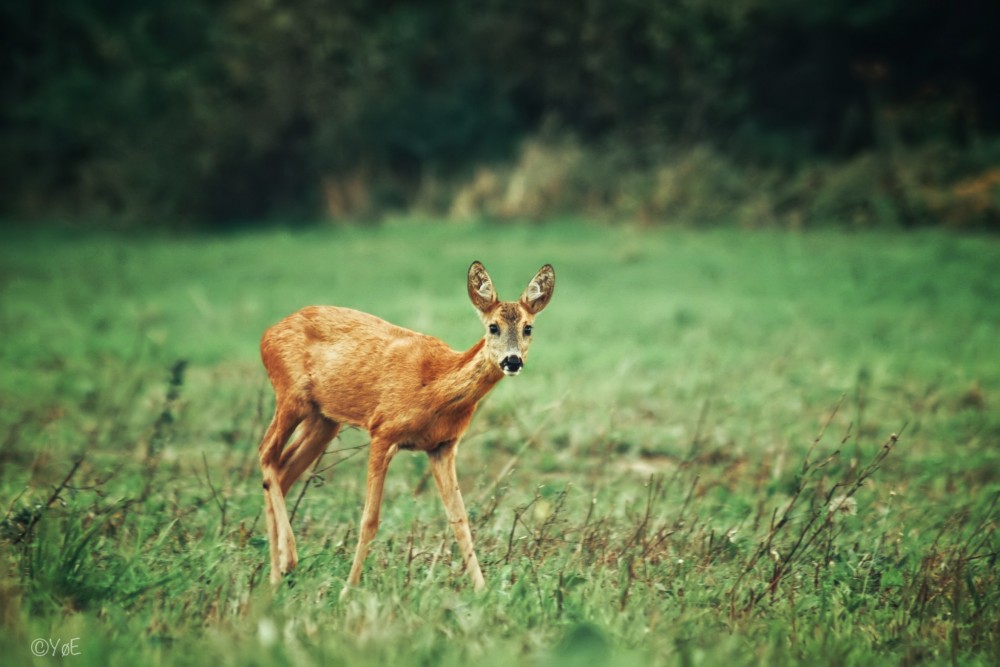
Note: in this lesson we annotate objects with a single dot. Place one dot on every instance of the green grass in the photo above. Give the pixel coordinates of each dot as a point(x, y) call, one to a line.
point(654, 489)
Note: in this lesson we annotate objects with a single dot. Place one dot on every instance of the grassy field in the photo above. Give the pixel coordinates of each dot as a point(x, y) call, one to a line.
point(726, 448)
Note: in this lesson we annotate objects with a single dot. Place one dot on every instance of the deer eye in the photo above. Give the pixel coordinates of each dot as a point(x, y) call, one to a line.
point(527, 329)
point(494, 329)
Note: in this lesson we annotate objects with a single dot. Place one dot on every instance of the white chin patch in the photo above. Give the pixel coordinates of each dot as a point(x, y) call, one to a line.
point(511, 373)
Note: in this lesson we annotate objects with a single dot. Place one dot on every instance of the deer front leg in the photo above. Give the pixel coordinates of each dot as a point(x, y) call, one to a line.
point(378, 464)
point(442, 462)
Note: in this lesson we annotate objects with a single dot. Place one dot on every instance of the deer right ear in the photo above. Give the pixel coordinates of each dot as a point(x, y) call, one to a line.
point(538, 292)
point(481, 291)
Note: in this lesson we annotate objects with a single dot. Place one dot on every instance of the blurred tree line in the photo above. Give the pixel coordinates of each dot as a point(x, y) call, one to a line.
point(218, 112)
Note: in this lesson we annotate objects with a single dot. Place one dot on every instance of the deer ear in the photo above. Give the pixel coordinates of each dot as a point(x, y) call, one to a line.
point(481, 291)
point(538, 292)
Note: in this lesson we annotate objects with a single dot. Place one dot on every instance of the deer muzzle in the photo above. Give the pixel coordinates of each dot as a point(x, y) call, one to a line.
point(512, 364)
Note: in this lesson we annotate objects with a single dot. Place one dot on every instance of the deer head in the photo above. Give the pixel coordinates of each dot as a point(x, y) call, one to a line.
point(509, 323)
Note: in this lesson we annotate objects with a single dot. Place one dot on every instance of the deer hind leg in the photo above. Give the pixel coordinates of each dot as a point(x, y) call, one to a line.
point(442, 462)
point(378, 464)
point(310, 442)
point(279, 532)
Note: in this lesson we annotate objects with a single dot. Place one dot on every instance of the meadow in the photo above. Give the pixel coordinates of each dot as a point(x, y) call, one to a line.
point(727, 447)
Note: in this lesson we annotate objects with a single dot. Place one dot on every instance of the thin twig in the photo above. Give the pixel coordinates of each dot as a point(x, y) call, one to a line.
point(37, 515)
point(218, 501)
point(306, 484)
point(531, 439)
point(317, 472)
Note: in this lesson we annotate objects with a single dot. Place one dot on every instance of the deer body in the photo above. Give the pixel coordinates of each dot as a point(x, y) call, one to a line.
point(332, 366)
point(357, 369)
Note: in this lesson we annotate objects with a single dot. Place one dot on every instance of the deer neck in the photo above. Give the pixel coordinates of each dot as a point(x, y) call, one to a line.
point(471, 378)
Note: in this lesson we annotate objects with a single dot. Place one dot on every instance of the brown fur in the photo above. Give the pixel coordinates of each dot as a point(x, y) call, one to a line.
point(332, 366)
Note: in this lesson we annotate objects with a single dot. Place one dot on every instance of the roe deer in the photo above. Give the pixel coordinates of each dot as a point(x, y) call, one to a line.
point(333, 366)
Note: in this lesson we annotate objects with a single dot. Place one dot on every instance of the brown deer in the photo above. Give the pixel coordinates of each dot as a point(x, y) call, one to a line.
point(332, 366)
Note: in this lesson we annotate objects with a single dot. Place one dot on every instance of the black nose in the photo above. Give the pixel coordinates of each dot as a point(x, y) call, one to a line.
point(513, 363)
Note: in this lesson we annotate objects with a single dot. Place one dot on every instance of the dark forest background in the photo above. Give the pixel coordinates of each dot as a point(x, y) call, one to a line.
point(197, 113)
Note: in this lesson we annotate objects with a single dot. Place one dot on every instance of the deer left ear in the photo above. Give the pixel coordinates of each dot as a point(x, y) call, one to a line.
point(538, 292)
